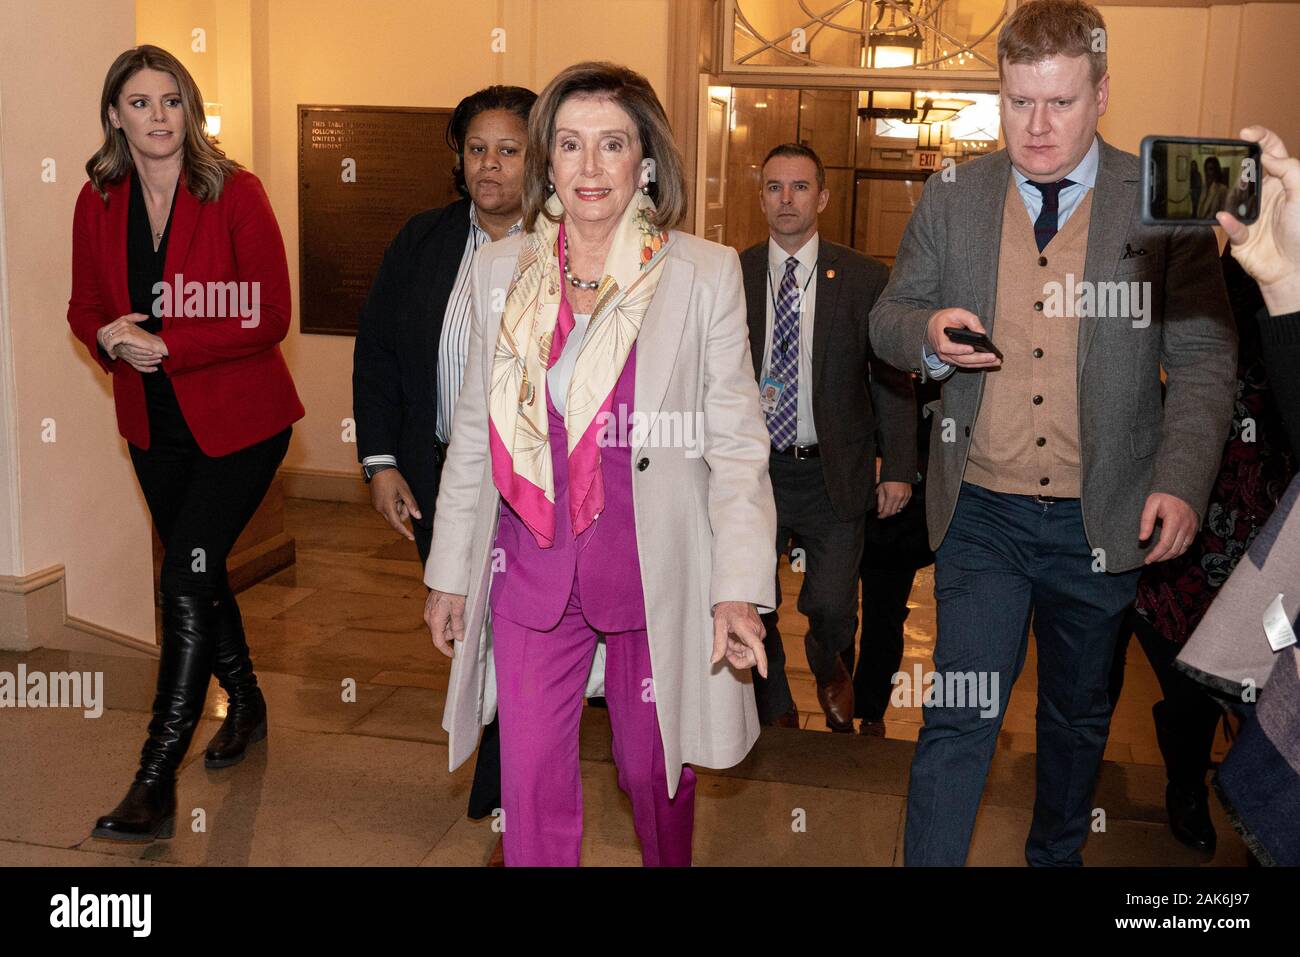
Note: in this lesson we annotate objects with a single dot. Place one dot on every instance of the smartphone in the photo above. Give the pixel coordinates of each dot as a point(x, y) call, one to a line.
point(980, 341)
point(1187, 179)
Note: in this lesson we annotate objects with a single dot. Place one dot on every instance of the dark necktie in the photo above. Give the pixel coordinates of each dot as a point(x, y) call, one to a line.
point(1045, 224)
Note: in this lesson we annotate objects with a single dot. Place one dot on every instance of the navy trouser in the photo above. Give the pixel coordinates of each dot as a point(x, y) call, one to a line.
point(828, 595)
point(1005, 559)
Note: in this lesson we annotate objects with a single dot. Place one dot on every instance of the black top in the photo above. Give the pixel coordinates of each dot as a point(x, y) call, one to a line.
point(1281, 340)
point(395, 357)
point(144, 268)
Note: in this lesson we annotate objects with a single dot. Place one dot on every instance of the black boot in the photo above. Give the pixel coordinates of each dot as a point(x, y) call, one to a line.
point(148, 811)
point(246, 710)
point(1186, 796)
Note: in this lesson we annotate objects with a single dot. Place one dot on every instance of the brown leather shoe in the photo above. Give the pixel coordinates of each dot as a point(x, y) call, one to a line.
point(872, 729)
point(788, 720)
point(836, 699)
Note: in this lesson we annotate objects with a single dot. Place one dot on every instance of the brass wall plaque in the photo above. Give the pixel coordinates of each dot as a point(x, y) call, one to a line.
point(363, 171)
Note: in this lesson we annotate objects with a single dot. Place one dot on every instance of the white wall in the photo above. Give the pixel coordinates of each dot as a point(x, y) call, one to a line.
point(1202, 71)
point(73, 501)
point(412, 54)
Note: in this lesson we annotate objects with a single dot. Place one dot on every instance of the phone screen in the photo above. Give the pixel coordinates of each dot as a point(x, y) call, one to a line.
point(1192, 180)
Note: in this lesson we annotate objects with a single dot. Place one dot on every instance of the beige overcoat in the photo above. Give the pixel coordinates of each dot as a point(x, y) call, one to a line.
point(705, 518)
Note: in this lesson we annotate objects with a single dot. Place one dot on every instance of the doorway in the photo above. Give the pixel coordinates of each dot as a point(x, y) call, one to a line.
point(879, 147)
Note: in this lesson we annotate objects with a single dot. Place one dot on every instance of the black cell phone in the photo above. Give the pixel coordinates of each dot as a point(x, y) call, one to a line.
point(980, 341)
point(1187, 179)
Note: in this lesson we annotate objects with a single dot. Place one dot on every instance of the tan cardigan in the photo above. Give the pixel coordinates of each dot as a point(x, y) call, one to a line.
point(1027, 426)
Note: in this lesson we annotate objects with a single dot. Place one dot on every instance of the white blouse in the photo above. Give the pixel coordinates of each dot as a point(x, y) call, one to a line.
point(557, 378)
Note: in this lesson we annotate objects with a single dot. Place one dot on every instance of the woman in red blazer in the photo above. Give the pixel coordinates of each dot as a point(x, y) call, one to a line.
point(180, 291)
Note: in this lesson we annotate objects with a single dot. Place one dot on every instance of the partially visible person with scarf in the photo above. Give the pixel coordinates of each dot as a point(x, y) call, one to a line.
point(606, 482)
point(1244, 648)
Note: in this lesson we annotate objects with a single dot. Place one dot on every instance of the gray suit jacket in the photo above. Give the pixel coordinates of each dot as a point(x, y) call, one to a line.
point(857, 398)
point(1131, 444)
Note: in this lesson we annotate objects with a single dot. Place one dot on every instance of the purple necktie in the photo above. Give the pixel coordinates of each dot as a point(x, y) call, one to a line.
point(783, 421)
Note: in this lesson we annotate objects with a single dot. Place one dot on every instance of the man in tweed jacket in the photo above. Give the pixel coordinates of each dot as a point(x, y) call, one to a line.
point(1058, 471)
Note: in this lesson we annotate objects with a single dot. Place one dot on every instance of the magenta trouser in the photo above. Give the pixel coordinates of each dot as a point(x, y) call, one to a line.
point(541, 677)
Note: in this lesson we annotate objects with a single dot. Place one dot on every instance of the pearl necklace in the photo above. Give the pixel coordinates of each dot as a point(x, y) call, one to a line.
point(574, 280)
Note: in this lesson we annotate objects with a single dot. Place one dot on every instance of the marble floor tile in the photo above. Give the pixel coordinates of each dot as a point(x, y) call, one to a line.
point(808, 826)
point(354, 770)
point(313, 800)
point(389, 613)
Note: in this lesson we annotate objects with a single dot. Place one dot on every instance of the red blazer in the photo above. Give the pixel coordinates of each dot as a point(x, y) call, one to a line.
point(231, 381)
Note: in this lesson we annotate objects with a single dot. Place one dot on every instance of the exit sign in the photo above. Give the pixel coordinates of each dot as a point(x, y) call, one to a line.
point(925, 159)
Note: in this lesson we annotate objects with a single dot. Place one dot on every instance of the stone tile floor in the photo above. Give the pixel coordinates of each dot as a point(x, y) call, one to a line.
point(363, 779)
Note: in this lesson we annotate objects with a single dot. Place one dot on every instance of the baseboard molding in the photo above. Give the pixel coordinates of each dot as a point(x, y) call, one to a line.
point(325, 486)
point(34, 611)
point(266, 558)
point(92, 630)
point(34, 614)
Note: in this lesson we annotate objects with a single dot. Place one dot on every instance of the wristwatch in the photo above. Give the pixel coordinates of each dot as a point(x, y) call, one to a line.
point(370, 471)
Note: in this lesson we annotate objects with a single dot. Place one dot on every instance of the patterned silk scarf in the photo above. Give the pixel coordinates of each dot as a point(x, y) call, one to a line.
point(534, 326)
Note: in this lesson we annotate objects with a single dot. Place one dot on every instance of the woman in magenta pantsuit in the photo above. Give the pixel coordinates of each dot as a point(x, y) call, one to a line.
point(606, 481)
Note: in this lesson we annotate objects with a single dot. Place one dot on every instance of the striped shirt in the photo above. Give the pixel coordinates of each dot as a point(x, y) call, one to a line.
point(453, 346)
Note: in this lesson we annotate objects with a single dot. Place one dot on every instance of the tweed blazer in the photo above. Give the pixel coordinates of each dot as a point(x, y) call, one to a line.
point(1131, 442)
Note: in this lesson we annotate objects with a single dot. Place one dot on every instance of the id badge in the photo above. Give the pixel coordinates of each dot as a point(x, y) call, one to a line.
point(769, 394)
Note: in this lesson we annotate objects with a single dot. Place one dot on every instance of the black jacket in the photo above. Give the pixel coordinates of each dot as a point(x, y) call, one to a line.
point(395, 360)
point(855, 395)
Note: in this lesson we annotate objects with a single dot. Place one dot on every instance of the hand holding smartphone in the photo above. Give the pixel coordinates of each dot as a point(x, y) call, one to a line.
point(1187, 180)
point(957, 337)
point(979, 341)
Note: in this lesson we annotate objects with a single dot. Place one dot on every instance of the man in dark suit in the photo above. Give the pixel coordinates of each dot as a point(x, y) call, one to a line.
point(413, 335)
point(824, 398)
point(1055, 472)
